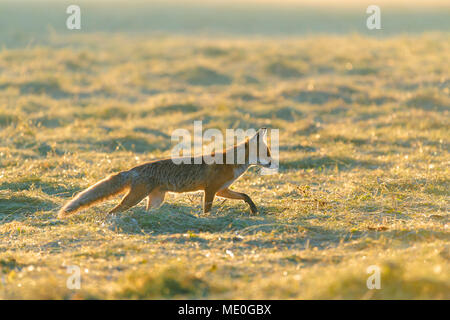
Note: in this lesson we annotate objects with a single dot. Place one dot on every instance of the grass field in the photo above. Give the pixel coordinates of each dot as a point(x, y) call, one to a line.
point(364, 166)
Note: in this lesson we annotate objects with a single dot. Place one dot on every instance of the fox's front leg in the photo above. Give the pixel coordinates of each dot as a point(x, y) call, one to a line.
point(208, 199)
point(227, 193)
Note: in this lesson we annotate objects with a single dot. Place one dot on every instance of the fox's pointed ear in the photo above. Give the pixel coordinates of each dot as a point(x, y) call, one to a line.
point(262, 133)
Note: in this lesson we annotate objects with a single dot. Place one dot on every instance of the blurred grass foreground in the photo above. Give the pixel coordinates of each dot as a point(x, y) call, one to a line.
point(364, 149)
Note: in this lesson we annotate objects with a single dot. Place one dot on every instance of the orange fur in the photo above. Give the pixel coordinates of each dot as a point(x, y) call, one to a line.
point(154, 179)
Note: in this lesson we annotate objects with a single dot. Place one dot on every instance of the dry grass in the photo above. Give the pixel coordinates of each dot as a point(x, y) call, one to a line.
point(364, 176)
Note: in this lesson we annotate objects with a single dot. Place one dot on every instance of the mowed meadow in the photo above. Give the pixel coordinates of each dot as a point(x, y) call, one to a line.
point(363, 180)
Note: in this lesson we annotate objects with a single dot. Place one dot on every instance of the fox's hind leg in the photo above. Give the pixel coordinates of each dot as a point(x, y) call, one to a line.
point(132, 198)
point(227, 193)
point(155, 199)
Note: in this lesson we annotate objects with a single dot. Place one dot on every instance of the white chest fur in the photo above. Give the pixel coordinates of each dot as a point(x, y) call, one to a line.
point(238, 171)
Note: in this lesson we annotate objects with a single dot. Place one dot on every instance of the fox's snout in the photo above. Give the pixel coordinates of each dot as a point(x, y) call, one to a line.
point(263, 161)
point(268, 164)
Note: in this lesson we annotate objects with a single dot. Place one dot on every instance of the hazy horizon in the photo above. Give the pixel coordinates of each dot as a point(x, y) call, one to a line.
point(28, 22)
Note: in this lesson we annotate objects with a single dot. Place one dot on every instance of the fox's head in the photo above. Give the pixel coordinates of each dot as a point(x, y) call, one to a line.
point(257, 151)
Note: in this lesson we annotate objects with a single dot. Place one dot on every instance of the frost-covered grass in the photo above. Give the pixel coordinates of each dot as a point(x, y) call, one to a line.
point(364, 178)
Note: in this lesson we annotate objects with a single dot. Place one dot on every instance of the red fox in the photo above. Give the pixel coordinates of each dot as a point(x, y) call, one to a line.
point(154, 179)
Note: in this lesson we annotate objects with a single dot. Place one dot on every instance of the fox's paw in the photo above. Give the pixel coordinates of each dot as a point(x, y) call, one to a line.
point(254, 210)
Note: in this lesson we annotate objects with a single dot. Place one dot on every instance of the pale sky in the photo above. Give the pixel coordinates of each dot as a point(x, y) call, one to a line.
point(325, 3)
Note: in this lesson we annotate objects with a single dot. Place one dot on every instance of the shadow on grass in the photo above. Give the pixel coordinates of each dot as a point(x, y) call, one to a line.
point(174, 108)
point(343, 163)
point(316, 97)
point(135, 144)
point(349, 96)
point(176, 219)
point(297, 147)
point(153, 132)
point(287, 113)
point(182, 225)
point(48, 187)
point(40, 148)
point(50, 87)
point(128, 143)
point(20, 204)
point(428, 101)
point(283, 70)
point(416, 234)
point(202, 76)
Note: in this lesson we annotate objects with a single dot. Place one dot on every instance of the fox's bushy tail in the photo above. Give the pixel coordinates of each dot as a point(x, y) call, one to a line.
point(100, 191)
